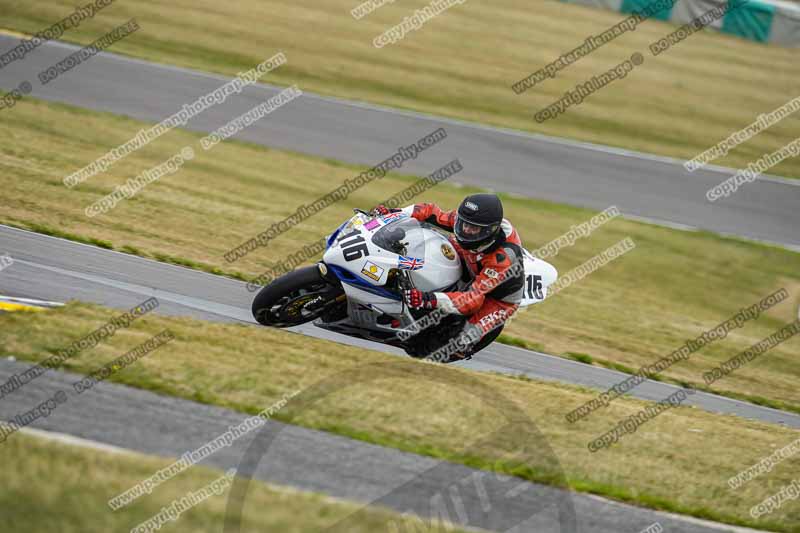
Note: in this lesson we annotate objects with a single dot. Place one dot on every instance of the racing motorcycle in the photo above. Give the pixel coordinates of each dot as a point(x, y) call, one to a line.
point(357, 288)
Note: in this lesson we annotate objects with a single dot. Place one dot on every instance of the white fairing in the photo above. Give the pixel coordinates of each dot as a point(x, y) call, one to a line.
point(361, 250)
point(538, 276)
point(440, 271)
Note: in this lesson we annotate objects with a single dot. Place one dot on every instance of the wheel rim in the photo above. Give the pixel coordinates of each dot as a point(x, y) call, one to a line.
point(297, 307)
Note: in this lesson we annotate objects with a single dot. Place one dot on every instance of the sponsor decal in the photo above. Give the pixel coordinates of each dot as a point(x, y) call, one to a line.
point(410, 263)
point(296, 307)
point(372, 224)
point(371, 270)
point(448, 252)
point(391, 217)
point(491, 273)
point(491, 318)
point(470, 205)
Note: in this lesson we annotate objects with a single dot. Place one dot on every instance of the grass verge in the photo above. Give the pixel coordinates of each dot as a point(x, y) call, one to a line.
point(589, 360)
point(679, 461)
point(463, 62)
point(65, 487)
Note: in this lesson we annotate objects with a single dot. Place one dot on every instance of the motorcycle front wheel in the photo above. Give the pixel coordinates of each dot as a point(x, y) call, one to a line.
point(295, 298)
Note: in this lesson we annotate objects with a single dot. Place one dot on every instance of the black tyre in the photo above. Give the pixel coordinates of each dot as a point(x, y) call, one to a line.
point(295, 298)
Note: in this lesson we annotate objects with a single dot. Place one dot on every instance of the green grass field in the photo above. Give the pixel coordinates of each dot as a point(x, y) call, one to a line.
point(673, 286)
point(679, 461)
point(55, 486)
point(463, 62)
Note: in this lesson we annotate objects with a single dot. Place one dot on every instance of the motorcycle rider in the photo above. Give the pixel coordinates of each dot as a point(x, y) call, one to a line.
point(489, 247)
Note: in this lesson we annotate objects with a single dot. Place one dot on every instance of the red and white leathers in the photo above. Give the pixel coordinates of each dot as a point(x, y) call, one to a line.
point(495, 291)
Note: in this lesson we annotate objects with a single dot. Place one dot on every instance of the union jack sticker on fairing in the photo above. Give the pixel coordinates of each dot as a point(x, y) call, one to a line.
point(393, 216)
point(409, 263)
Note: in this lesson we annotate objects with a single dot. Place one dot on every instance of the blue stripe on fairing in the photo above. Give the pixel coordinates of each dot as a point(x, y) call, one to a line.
point(351, 279)
point(332, 236)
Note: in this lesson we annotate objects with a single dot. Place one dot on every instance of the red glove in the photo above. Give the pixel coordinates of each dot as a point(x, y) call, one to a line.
point(417, 299)
point(382, 210)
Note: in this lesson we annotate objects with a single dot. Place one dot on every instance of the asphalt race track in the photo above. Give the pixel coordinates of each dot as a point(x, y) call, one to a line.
point(562, 171)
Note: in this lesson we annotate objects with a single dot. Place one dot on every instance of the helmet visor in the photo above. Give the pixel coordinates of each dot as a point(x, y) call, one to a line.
point(470, 232)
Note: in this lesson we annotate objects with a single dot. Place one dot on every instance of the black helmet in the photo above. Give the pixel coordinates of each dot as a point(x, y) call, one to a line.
point(478, 220)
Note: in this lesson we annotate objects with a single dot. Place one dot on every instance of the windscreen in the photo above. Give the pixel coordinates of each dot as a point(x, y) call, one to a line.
point(403, 237)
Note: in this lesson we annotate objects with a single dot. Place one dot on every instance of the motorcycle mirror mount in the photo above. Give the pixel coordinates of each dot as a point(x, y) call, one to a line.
point(399, 247)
